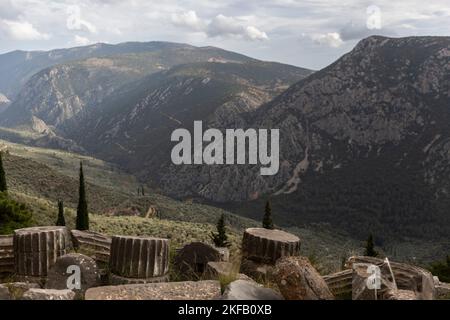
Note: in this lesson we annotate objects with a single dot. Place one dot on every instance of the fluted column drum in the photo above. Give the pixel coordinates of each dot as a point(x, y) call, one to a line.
point(36, 249)
point(267, 246)
point(139, 257)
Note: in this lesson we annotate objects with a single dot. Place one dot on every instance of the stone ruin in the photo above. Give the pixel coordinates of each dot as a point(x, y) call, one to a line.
point(139, 260)
point(261, 248)
point(36, 250)
point(138, 269)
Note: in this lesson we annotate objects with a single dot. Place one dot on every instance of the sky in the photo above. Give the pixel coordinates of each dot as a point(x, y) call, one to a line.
point(306, 33)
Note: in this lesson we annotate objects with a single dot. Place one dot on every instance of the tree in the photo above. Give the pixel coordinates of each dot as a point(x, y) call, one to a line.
point(267, 220)
point(220, 238)
point(441, 269)
point(370, 248)
point(3, 186)
point(82, 222)
point(13, 215)
point(61, 221)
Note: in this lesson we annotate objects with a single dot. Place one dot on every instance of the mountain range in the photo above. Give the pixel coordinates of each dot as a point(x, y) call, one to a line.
point(364, 142)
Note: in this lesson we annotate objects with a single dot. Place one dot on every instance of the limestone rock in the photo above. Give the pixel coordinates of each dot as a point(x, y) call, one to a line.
point(189, 290)
point(36, 249)
point(249, 290)
point(139, 257)
point(58, 274)
point(48, 294)
point(17, 289)
point(267, 246)
point(298, 280)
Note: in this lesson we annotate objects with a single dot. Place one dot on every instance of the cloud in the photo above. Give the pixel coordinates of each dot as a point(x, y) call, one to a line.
point(219, 26)
point(21, 30)
point(80, 41)
point(331, 39)
point(75, 22)
point(188, 19)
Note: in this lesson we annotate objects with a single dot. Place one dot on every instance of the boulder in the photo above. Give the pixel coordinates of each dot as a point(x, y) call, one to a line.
point(298, 280)
point(191, 261)
point(189, 290)
point(48, 294)
point(58, 275)
point(249, 290)
point(267, 246)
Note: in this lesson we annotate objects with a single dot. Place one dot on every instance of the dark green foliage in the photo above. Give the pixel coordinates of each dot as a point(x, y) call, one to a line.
point(370, 248)
point(267, 220)
point(13, 215)
point(220, 238)
point(441, 269)
point(82, 222)
point(3, 186)
point(61, 221)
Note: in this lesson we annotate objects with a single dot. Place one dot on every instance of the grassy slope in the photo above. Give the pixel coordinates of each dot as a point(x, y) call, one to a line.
point(39, 177)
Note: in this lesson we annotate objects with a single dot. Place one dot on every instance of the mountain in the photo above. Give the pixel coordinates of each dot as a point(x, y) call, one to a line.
point(58, 93)
point(17, 67)
point(364, 143)
point(134, 125)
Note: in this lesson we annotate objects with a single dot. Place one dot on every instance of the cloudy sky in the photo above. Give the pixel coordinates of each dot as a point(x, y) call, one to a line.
point(308, 33)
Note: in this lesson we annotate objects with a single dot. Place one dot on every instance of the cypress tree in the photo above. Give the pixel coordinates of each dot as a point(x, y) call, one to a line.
point(82, 222)
point(3, 186)
point(220, 238)
point(267, 220)
point(61, 221)
point(370, 248)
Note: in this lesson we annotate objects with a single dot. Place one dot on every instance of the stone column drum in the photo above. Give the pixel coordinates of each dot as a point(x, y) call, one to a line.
point(36, 249)
point(138, 259)
point(267, 246)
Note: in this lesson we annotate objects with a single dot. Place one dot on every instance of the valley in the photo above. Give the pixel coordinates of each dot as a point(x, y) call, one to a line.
point(363, 142)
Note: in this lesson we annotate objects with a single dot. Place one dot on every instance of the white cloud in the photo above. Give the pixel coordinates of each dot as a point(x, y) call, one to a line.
point(21, 30)
point(220, 25)
point(331, 39)
point(188, 19)
point(75, 22)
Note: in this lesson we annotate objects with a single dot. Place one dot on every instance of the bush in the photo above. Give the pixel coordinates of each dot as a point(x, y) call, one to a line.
point(13, 215)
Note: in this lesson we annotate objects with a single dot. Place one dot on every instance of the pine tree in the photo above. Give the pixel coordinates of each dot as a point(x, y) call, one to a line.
point(220, 238)
point(267, 220)
point(82, 222)
point(61, 221)
point(370, 248)
point(143, 191)
point(3, 186)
